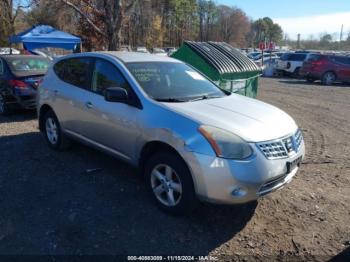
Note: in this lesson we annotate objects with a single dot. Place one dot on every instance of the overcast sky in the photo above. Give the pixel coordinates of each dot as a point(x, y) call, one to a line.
point(307, 17)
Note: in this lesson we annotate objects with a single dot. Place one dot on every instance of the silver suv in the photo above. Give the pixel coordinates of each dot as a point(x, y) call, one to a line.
point(189, 138)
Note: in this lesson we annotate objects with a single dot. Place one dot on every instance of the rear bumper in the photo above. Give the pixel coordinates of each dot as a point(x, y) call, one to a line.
point(27, 102)
point(22, 98)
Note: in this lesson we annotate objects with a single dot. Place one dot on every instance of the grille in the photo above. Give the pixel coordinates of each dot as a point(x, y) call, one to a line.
point(298, 139)
point(273, 150)
point(282, 148)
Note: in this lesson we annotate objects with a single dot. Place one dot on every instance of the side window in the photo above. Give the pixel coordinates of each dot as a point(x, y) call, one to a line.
point(343, 60)
point(76, 72)
point(297, 57)
point(59, 69)
point(106, 75)
point(1, 67)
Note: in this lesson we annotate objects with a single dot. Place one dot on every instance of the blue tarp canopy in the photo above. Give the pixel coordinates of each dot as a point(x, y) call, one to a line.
point(42, 36)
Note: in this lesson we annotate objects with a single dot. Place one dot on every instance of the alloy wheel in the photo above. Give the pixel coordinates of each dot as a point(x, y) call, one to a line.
point(329, 78)
point(51, 130)
point(166, 185)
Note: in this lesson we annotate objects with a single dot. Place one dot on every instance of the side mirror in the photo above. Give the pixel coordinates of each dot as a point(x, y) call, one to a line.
point(116, 94)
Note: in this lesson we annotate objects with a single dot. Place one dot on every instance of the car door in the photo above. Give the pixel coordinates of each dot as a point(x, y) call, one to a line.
point(69, 94)
point(342, 68)
point(110, 124)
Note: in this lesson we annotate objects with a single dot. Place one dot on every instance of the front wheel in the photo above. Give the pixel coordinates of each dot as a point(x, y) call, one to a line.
point(170, 183)
point(328, 78)
point(54, 136)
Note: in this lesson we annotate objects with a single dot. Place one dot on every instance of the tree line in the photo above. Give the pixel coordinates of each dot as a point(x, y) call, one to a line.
point(108, 24)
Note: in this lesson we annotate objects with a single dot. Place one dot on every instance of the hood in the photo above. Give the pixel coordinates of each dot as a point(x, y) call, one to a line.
point(251, 119)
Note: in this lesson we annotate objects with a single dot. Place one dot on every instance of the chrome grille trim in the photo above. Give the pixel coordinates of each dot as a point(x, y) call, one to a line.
point(283, 147)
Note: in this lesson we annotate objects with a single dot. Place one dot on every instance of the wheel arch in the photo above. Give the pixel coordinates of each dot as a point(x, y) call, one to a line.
point(331, 71)
point(152, 147)
point(43, 110)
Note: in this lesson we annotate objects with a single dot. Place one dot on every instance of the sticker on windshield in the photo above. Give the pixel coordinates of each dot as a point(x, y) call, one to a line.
point(195, 75)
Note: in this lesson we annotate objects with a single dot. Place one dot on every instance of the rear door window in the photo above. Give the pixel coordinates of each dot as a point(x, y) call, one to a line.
point(314, 57)
point(285, 56)
point(76, 72)
point(342, 59)
point(106, 75)
point(59, 69)
point(297, 57)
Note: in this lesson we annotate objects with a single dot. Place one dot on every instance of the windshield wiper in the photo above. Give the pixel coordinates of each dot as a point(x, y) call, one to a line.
point(203, 98)
point(170, 100)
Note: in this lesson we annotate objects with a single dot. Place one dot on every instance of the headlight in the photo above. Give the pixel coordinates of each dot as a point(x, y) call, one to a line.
point(226, 144)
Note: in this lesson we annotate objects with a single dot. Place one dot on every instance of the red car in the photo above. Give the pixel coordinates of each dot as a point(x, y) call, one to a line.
point(327, 68)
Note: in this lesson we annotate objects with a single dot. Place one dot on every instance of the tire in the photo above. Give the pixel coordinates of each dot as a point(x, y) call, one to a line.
point(296, 72)
point(53, 134)
point(310, 79)
point(328, 78)
point(167, 174)
point(4, 108)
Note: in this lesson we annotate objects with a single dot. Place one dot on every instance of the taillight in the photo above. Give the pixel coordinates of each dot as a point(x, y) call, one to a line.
point(18, 84)
point(317, 62)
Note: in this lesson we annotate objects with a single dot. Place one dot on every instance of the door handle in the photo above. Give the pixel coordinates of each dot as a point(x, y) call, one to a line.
point(55, 92)
point(89, 105)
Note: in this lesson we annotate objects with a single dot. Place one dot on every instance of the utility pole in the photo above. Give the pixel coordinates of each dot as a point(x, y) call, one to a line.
point(341, 33)
point(298, 43)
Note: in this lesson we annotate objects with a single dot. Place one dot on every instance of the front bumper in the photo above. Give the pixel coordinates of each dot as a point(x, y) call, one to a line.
point(227, 181)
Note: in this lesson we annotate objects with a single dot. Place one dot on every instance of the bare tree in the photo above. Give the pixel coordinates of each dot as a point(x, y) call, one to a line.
point(9, 11)
point(113, 12)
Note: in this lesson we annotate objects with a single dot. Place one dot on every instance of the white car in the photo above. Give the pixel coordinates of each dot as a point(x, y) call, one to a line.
point(7, 51)
point(291, 63)
point(159, 52)
point(142, 49)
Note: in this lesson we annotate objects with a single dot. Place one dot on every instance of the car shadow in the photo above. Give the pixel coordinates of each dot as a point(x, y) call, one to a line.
point(83, 202)
point(304, 82)
point(18, 116)
point(343, 256)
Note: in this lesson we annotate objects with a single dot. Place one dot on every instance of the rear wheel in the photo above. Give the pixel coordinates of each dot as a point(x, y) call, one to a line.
point(54, 136)
point(170, 183)
point(328, 78)
point(296, 72)
point(4, 108)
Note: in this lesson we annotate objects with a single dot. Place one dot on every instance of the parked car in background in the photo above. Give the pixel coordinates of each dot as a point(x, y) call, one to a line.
point(8, 51)
point(266, 56)
point(327, 68)
point(190, 139)
point(290, 63)
point(19, 79)
point(142, 49)
point(268, 61)
point(159, 52)
point(252, 55)
point(170, 50)
point(125, 48)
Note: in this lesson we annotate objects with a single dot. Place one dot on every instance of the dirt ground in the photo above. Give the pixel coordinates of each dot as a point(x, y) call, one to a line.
point(51, 205)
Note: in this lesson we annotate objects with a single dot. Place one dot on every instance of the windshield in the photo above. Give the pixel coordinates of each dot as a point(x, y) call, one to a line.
point(28, 64)
point(173, 82)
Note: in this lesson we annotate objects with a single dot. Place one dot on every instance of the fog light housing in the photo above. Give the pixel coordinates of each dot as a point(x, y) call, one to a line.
point(239, 192)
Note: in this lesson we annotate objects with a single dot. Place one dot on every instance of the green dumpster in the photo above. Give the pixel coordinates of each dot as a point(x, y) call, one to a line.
point(223, 64)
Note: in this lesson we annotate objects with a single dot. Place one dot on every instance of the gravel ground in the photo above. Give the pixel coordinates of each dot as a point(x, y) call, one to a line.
point(51, 205)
